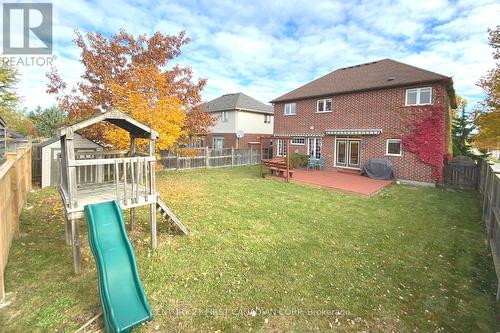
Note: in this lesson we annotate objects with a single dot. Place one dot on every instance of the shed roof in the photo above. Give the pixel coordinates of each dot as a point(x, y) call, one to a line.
point(117, 118)
point(238, 101)
point(379, 74)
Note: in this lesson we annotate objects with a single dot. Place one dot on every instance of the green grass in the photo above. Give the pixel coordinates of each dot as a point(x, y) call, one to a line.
point(302, 258)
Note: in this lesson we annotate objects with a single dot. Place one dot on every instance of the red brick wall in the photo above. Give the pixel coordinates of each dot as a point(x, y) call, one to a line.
point(378, 109)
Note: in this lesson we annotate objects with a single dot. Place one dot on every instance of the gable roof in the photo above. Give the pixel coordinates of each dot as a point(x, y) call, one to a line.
point(379, 74)
point(122, 120)
point(238, 101)
point(56, 138)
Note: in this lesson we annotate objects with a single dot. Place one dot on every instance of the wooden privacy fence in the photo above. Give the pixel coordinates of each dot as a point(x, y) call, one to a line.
point(489, 189)
point(212, 158)
point(15, 182)
point(461, 172)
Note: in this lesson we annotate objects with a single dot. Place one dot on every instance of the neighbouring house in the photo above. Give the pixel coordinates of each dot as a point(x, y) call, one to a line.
point(51, 161)
point(241, 120)
point(382, 109)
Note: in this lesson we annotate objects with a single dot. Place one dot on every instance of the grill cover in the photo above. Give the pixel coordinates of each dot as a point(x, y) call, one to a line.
point(378, 168)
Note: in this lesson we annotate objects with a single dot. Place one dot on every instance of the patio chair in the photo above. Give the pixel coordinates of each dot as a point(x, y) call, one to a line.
point(312, 163)
point(321, 163)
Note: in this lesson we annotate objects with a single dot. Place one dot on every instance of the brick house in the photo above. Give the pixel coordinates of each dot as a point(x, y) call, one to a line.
point(366, 111)
point(241, 120)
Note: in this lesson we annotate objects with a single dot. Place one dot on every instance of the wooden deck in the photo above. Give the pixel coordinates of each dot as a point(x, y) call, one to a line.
point(346, 182)
point(129, 195)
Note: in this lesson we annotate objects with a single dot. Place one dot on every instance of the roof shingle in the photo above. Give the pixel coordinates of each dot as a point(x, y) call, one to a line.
point(380, 74)
point(238, 101)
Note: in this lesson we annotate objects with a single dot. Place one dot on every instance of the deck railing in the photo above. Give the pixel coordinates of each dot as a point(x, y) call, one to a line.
point(128, 177)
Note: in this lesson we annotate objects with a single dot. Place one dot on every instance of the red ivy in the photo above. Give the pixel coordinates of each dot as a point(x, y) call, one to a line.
point(427, 140)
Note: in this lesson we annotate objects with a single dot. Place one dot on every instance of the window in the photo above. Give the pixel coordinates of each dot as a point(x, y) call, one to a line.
point(223, 116)
point(267, 118)
point(393, 147)
point(289, 109)
point(419, 96)
point(314, 148)
point(324, 105)
point(298, 141)
point(218, 142)
point(280, 148)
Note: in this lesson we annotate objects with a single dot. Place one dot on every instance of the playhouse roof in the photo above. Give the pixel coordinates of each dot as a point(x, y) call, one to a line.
point(122, 120)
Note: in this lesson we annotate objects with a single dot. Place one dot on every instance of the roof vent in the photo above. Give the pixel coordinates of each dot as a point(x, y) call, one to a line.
point(391, 78)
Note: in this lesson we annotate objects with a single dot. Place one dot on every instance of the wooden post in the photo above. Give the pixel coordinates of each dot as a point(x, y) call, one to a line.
point(232, 156)
point(286, 141)
point(75, 238)
point(251, 155)
point(152, 207)
point(207, 159)
point(67, 228)
point(131, 153)
point(73, 201)
point(261, 157)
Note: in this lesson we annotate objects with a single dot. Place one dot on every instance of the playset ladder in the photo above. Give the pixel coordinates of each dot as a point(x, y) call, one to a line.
point(170, 216)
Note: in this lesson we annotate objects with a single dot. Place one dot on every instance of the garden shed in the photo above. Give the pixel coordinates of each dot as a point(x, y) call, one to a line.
point(51, 161)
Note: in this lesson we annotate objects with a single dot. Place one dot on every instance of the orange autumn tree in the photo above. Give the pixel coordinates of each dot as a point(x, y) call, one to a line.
point(136, 76)
point(147, 98)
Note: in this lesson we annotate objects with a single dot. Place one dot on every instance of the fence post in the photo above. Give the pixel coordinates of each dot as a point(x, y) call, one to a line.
point(177, 161)
point(251, 155)
point(232, 156)
point(207, 160)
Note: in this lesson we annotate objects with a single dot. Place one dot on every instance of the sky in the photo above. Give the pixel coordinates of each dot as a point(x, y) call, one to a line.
point(268, 48)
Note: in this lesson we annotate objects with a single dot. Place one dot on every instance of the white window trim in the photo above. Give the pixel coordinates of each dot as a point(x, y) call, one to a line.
point(387, 147)
point(298, 144)
point(418, 96)
point(324, 105)
point(267, 119)
point(223, 117)
point(290, 114)
point(282, 143)
point(218, 137)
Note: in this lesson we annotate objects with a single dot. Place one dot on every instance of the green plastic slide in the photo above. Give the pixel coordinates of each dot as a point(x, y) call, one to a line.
point(124, 304)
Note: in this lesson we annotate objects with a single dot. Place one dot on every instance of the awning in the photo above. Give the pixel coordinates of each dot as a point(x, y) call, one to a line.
point(309, 135)
point(348, 131)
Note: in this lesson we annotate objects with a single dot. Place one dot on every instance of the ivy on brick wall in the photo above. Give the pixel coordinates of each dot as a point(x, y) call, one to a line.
point(427, 140)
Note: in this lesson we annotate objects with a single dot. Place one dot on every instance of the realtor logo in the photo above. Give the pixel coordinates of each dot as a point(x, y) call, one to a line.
point(27, 28)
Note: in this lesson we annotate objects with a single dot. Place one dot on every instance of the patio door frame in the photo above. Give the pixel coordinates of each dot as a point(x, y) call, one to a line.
point(347, 151)
point(317, 143)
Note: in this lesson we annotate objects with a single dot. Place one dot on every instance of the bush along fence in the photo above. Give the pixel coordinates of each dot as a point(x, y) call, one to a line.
point(213, 158)
point(15, 182)
point(489, 189)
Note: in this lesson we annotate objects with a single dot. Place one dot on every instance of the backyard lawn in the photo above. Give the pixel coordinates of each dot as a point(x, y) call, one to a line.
point(268, 256)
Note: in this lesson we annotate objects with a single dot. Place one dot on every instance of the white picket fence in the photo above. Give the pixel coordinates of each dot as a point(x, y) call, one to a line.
point(212, 158)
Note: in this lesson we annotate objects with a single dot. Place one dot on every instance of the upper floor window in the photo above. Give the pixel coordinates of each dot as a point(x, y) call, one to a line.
point(223, 116)
point(289, 109)
point(267, 118)
point(419, 96)
point(324, 105)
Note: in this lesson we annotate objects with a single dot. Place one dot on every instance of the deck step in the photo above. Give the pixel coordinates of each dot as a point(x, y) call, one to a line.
point(170, 216)
point(349, 171)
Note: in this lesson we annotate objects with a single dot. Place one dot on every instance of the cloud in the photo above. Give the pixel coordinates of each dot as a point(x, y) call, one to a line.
point(267, 48)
